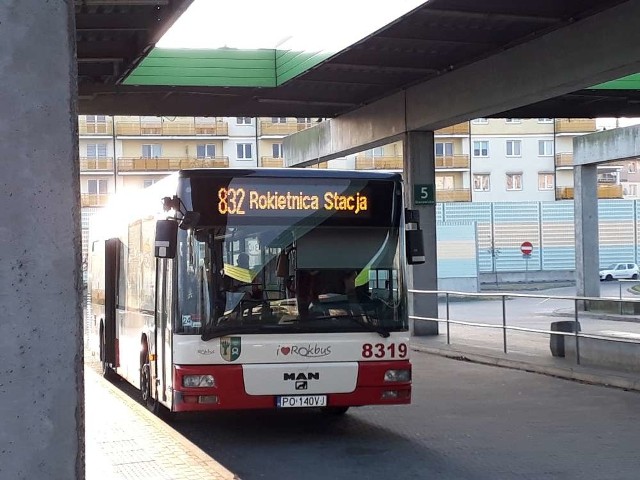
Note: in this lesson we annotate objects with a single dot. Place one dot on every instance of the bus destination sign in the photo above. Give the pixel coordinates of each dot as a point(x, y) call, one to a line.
point(283, 201)
point(242, 201)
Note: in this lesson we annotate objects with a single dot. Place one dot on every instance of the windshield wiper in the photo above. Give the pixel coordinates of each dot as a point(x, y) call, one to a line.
point(217, 332)
point(366, 325)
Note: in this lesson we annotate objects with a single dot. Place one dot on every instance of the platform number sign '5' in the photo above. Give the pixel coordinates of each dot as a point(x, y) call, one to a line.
point(424, 194)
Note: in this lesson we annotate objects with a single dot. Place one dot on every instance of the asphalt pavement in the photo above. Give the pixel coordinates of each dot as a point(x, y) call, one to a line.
point(126, 441)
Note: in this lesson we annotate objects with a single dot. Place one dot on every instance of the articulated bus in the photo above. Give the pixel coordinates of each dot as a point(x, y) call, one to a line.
point(256, 289)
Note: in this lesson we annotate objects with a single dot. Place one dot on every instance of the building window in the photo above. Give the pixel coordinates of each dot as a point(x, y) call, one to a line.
point(277, 150)
point(243, 120)
point(444, 149)
point(545, 148)
point(96, 150)
point(375, 152)
point(633, 190)
point(480, 121)
point(304, 120)
point(278, 119)
point(97, 187)
point(545, 120)
point(148, 182)
point(545, 181)
point(480, 148)
point(152, 150)
point(96, 123)
point(633, 168)
point(243, 151)
point(512, 120)
point(206, 151)
point(481, 182)
point(514, 181)
point(513, 148)
point(445, 182)
point(96, 119)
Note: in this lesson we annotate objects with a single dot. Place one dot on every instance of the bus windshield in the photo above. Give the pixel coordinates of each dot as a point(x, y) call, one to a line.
point(289, 278)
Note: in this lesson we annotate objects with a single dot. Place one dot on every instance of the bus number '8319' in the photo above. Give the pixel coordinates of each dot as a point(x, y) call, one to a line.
point(380, 350)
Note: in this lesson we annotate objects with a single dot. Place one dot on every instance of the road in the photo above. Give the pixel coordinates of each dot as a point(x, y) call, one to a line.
point(534, 312)
point(467, 421)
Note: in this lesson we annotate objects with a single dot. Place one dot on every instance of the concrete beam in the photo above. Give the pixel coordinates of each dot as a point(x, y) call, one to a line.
point(599, 48)
point(609, 145)
point(41, 367)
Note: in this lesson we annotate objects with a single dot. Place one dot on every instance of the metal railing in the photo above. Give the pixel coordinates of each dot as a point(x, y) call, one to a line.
point(385, 162)
point(452, 161)
point(579, 307)
point(604, 191)
point(129, 164)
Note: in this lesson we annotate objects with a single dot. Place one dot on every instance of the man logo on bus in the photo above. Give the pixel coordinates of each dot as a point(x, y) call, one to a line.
point(230, 348)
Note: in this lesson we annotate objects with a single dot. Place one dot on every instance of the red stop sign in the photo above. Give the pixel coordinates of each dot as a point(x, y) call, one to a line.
point(526, 248)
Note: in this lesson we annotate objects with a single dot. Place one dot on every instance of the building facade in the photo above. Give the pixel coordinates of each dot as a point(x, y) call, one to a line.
point(482, 162)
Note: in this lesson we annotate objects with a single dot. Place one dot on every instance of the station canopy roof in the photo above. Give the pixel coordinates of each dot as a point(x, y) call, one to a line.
point(309, 59)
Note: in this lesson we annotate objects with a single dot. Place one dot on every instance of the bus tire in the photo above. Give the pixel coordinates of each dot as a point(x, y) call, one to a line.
point(335, 410)
point(145, 380)
point(105, 368)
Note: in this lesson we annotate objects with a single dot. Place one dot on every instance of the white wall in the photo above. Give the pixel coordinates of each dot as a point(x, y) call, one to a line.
point(498, 164)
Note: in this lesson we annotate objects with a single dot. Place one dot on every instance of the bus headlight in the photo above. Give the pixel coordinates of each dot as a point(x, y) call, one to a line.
point(198, 381)
point(397, 376)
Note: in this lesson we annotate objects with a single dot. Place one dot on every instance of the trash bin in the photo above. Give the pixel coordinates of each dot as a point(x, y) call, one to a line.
point(556, 342)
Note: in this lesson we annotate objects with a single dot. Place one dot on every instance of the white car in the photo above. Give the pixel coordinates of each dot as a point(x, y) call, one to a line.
point(620, 270)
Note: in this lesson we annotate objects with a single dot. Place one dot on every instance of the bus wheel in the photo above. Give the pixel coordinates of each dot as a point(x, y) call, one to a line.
point(107, 371)
point(145, 381)
point(335, 410)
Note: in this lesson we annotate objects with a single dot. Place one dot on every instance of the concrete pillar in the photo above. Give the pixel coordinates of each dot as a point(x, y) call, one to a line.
point(419, 168)
point(41, 369)
point(585, 195)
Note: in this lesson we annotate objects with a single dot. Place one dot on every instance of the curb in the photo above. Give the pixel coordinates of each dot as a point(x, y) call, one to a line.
point(607, 380)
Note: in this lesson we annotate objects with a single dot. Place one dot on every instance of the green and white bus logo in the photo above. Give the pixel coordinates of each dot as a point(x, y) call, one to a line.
point(230, 348)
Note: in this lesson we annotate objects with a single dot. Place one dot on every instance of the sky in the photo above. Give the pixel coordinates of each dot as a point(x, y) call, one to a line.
point(608, 123)
point(327, 25)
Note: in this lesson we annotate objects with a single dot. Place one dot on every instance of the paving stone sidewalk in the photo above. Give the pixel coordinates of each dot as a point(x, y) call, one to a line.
point(125, 441)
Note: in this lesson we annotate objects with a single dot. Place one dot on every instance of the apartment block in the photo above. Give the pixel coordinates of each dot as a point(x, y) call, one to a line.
point(484, 160)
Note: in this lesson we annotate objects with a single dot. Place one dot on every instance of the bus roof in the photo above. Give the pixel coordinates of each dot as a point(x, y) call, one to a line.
point(291, 173)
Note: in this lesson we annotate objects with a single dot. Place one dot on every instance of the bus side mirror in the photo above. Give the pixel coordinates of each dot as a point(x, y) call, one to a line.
point(413, 238)
point(415, 247)
point(166, 238)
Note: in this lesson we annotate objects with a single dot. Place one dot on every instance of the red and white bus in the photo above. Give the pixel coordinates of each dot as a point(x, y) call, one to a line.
point(256, 289)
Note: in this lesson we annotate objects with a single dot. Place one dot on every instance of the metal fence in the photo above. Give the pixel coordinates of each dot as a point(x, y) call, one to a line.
point(589, 310)
point(550, 226)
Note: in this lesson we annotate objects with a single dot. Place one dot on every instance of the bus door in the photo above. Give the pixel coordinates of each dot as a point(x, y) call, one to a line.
point(111, 274)
point(161, 368)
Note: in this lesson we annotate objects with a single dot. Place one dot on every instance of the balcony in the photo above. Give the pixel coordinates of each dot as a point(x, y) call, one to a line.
point(85, 128)
point(456, 195)
point(391, 162)
point(452, 161)
point(575, 125)
point(564, 159)
point(169, 163)
point(176, 128)
point(604, 191)
point(458, 129)
point(102, 164)
point(276, 128)
point(271, 162)
point(94, 199)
